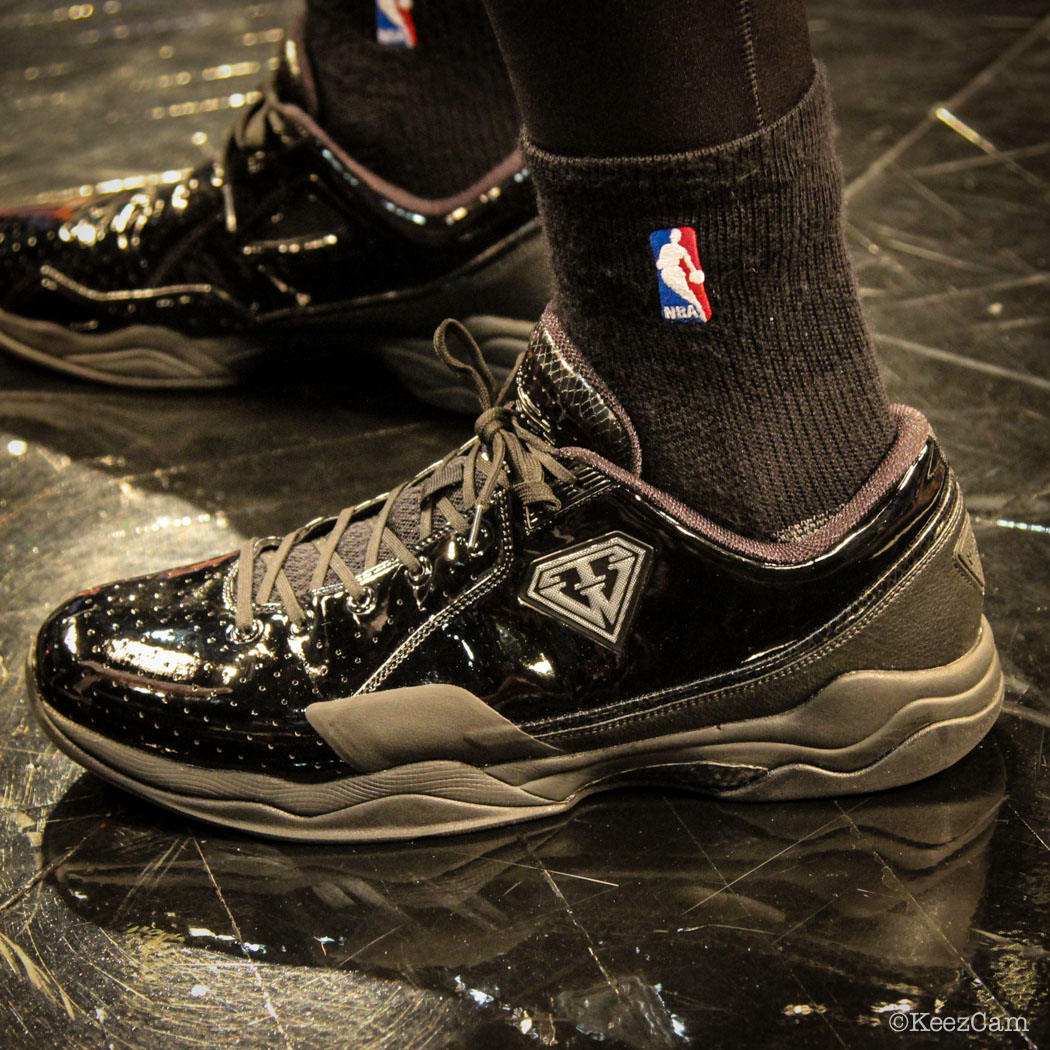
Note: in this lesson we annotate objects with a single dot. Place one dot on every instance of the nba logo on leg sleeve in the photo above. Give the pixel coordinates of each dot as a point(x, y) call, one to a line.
point(395, 26)
point(683, 296)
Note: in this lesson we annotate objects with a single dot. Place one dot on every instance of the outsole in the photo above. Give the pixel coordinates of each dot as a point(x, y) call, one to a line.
point(920, 738)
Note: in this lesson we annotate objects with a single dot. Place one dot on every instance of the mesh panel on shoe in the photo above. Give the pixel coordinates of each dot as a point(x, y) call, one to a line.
point(404, 522)
point(558, 398)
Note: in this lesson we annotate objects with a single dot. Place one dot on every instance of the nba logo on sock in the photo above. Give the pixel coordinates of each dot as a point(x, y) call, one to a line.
point(394, 24)
point(680, 275)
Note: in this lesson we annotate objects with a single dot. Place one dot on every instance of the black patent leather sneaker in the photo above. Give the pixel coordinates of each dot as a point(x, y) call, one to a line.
point(526, 622)
point(282, 245)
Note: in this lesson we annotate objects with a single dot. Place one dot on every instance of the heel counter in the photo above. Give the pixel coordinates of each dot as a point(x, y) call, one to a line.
point(967, 556)
point(932, 615)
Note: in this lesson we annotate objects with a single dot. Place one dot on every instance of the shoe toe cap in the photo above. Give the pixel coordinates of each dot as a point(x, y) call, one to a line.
point(154, 663)
point(120, 656)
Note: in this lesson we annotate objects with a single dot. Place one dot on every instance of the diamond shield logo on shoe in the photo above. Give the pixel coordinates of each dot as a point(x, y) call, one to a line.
point(593, 587)
point(683, 296)
point(395, 26)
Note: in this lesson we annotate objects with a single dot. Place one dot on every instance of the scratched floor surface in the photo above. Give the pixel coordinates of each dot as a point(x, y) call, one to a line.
point(642, 919)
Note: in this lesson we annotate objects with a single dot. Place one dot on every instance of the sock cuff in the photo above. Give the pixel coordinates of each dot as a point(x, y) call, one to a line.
point(909, 440)
point(768, 202)
point(786, 146)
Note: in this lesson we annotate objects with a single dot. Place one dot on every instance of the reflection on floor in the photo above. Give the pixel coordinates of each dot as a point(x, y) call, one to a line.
point(641, 919)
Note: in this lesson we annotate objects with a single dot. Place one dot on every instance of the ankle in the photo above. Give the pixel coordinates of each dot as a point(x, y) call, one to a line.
point(761, 407)
point(430, 119)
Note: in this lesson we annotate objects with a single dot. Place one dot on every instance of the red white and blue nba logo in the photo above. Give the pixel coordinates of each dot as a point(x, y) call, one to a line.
point(683, 296)
point(394, 24)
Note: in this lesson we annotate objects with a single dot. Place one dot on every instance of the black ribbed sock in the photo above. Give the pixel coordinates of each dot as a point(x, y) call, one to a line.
point(666, 137)
point(770, 415)
point(432, 118)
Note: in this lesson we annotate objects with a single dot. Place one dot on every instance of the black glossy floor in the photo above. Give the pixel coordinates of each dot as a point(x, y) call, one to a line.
point(641, 920)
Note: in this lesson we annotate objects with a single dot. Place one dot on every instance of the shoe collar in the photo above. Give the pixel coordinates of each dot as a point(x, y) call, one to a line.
point(560, 397)
point(294, 76)
point(298, 99)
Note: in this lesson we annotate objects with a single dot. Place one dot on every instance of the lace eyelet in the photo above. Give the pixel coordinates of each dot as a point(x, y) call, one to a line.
point(301, 628)
point(247, 635)
point(417, 579)
point(481, 541)
point(364, 605)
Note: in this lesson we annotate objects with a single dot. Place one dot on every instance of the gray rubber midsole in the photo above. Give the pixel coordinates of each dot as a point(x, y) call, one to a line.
point(851, 721)
point(136, 355)
point(841, 734)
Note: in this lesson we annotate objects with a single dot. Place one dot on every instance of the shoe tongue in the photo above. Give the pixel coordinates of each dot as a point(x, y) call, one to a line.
point(558, 396)
point(294, 78)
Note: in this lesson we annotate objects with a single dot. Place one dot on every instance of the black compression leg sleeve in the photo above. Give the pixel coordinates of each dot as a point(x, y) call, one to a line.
point(621, 78)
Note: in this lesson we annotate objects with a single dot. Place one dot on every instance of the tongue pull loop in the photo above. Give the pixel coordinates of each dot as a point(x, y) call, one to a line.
point(294, 76)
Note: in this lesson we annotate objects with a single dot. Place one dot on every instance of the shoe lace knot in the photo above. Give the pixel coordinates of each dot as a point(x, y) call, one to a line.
point(129, 210)
point(503, 454)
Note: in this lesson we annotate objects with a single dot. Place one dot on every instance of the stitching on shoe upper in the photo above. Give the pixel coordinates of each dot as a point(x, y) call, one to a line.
point(879, 597)
point(499, 572)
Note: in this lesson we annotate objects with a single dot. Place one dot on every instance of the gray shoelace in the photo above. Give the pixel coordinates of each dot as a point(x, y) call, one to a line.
point(254, 130)
point(504, 454)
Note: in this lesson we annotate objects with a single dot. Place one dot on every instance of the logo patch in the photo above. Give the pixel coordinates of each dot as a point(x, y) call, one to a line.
point(395, 26)
point(593, 587)
point(683, 296)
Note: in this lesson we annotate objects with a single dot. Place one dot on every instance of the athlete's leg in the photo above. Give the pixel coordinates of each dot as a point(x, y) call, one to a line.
point(431, 118)
point(706, 114)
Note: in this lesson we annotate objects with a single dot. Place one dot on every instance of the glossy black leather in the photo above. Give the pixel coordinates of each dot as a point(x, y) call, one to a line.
point(313, 241)
point(153, 662)
point(563, 401)
point(708, 618)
